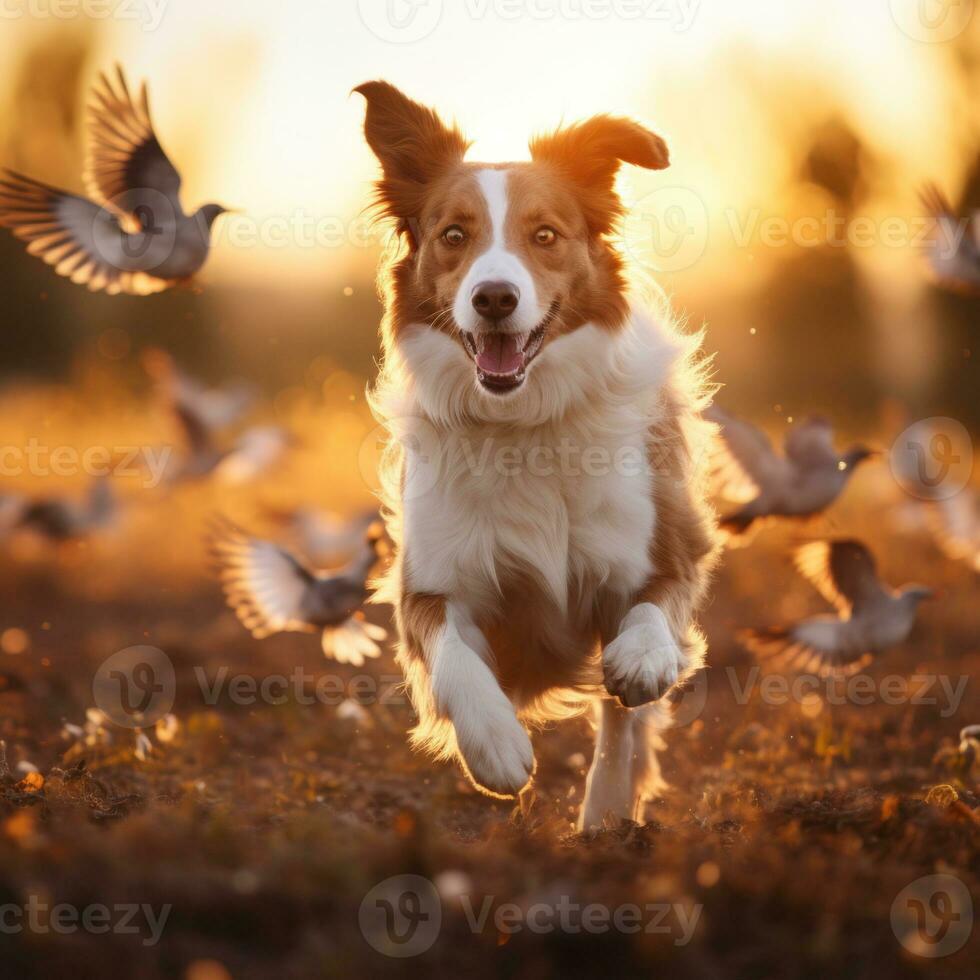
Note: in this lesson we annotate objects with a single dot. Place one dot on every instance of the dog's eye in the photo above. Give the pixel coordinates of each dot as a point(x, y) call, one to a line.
point(454, 235)
point(545, 235)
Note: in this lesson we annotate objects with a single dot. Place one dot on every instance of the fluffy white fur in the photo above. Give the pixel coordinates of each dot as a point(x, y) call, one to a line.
point(493, 744)
point(644, 661)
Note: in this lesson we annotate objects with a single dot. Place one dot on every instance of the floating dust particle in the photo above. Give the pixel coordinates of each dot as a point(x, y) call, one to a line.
point(207, 970)
point(708, 874)
point(14, 641)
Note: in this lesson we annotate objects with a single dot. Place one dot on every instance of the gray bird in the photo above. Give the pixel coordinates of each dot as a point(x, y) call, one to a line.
point(802, 482)
point(216, 408)
point(954, 255)
point(272, 591)
point(871, 616)
point(131, 234)
point(201, 413)
point(64, 519)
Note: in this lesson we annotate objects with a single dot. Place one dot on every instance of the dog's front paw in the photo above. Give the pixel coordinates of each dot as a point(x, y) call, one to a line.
point(496, 751)
point(644, 662)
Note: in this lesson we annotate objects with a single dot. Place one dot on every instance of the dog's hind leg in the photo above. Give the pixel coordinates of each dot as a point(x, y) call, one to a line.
point(625, 772)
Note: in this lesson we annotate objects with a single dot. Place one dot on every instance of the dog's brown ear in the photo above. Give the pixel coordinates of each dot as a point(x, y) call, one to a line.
point(590, 153)
point(412, 144)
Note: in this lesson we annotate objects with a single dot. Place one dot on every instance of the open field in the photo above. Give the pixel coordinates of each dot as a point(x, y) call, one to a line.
point(791, 826)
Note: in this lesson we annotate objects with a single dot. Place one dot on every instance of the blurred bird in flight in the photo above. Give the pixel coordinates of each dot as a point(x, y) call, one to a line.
point(131, 234)
point(802, 482)
point(201, 413)
point(954, 255)
point(871, 617)
point(64, 519)
point(273, 591)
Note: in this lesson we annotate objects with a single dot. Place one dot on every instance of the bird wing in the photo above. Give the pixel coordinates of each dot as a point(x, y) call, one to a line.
point(810, 445)
point(842, 571)
point(99, 508)
point(13, 507)
point(254, 452)
point(126, 165)
point(955, 522)
point(353, 640)
point(266, 586)
point(954, 254)
point(196, 433)
point(822, 645)
point(744, 460)
point(80, 239)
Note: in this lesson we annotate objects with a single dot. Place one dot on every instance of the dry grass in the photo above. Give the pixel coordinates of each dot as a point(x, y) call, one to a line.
point(794, 826)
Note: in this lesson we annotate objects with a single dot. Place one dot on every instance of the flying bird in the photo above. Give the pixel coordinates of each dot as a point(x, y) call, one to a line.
point(273, 591)
point(201, 413)
point(802, 482)
point(955, 524)
point(216, 408)
point(954, 255)
point(870, 618)
point(130, 235)
point(64, 519)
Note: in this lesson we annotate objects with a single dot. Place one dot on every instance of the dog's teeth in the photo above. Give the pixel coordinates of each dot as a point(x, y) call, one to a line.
point(522, 340)
point(481, 342)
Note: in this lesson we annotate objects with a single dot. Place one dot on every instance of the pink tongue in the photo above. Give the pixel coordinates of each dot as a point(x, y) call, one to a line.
point(500, 355)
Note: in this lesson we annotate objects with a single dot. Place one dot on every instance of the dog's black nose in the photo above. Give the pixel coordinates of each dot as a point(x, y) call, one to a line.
point(495, 300)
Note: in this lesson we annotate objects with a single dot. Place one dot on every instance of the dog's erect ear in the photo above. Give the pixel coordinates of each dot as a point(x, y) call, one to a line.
point(590, 152)
point(412, 144)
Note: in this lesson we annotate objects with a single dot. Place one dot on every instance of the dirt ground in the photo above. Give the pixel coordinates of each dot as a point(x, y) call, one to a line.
point(257, 829)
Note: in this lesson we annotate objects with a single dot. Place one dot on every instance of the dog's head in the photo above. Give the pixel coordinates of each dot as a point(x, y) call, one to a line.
point(503, 259)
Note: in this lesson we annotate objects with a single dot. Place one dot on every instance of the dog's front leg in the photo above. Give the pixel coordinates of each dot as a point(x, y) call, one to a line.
point(644, 661)
point(493, 745)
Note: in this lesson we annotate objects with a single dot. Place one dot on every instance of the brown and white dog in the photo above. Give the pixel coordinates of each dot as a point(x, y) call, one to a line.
point(552, 541)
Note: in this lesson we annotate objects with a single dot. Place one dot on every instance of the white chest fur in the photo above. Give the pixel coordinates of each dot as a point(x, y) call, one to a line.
point(563, 505)
point(560, 493)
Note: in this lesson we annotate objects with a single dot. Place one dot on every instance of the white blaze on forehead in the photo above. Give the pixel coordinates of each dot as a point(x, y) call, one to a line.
point(497, 263)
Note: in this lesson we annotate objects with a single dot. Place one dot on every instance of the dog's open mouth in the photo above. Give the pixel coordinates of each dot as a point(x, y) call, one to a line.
point(502, 358)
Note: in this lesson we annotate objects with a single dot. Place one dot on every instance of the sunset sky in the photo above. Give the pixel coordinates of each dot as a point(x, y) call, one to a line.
point(253, 102)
